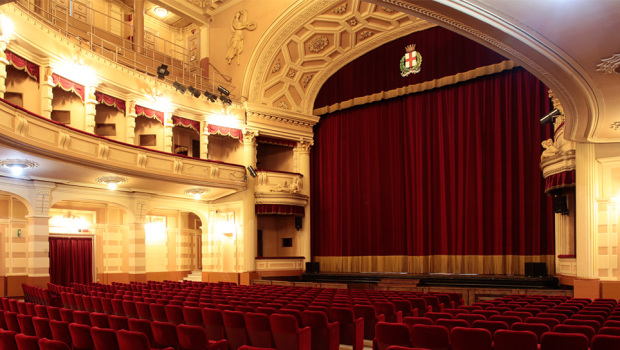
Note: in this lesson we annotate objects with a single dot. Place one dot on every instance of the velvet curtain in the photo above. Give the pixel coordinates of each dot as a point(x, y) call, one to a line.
point(70, 260)
point(450, 172)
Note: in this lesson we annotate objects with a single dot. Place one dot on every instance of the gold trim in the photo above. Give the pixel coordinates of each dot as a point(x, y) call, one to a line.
point(477, 264)
point(428, 85)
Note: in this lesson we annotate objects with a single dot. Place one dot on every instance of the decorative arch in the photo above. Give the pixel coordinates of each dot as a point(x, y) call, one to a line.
point(21, 195)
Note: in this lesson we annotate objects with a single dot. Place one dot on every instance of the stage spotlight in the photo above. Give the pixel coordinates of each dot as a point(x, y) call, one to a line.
point(162, 71)
point(549, 117)
point(194, 91)
point(223, 90)
point(211, 97)
point(252, 171)
point(180, 88)
point(225, 100)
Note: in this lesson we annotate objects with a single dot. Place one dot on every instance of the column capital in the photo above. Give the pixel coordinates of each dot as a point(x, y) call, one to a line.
point(249, 136)
point(304, 145)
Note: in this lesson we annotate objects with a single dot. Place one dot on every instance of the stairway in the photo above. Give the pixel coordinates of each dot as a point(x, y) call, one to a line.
point(195, 276)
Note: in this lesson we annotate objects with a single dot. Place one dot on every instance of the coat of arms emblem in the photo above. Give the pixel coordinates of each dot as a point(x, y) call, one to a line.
point(411, 62)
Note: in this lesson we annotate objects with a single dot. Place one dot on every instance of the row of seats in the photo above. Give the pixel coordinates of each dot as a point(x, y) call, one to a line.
point(395, 336)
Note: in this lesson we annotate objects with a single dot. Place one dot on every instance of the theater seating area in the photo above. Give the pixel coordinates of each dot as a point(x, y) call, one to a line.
point(195, 315)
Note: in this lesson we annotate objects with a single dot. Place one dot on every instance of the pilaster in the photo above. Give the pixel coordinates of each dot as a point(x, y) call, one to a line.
point(303, 167)
point(90, 109)
point(586, 233)
point(204, 140)
point(38, 235)
point(130, 116)
point(47, 92)
point(168, 132)
point(249, 201)
point(3, 63)
point(137, 240)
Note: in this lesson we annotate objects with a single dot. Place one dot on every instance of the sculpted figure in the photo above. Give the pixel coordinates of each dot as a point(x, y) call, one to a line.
point(235, 42)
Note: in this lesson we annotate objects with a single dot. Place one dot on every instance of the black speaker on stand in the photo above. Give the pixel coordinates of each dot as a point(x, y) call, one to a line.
point(312, 267)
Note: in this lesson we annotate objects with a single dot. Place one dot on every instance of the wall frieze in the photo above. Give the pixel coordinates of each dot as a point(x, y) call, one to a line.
point(282, 198)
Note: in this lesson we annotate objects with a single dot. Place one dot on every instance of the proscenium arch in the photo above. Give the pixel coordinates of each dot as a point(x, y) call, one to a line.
point(549, 64)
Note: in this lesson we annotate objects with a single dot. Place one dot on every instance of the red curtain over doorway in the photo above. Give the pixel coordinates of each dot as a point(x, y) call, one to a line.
point(71, 260)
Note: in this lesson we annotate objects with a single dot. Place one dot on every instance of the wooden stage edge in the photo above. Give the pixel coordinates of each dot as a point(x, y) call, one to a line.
point(473, 288)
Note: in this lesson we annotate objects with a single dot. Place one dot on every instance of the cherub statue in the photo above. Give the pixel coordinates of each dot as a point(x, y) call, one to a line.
point(550, 149)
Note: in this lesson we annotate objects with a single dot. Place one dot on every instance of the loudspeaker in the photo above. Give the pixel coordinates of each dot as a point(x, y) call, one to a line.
point(298, 222)
point(312, 267)
point(535, 269)
point(560, 205)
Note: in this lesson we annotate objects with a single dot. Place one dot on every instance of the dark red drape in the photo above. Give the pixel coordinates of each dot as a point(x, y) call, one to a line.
point(452, 171)
point(70, 260)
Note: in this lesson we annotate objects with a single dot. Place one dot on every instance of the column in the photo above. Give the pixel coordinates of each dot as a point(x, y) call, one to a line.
point(130, 116)
point(91, 109)
point(168, 132)
point(137, 240)
point(204, 141)
point(38, 236)
point(3, 63)
point(303, 166)
point(249, 202)
point(586, 235)
point(138, 25)
point(47, 94)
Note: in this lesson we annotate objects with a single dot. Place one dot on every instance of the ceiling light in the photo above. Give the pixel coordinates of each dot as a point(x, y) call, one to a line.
point(162, 71)
point(180, 87)
point(223, 90)
point(210, 96)
point(17, 166)
point(194, 91)
point(225, 100)
point(160, 11)
point(197, 192)
point(112, 181)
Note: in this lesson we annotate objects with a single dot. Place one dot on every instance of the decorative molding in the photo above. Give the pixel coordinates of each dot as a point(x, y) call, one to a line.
point(276, 66)
point(281, 198)
point(609, 65)
point(341, 9)
point(615, 125)
point(318, 44)
point(291, 73)
point(282, 105)
point(365, 34)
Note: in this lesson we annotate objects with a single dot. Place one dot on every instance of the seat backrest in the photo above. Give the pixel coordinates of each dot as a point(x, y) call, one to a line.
point(564, 341)
point(341, 315)
point(605, 342)
point(80, 336)
point(411, 320)
point(387, 334)
point(143, 326)
point(99, 320)
point(192, 315)
point(536, 328)
point(174, 313)
point(568, 328)
point(7, 340)
point(234, 324)
point(25, 324)
point(491, 326)
point(42, 327)
point(451, 323)
point(464, 338)
point(514, 340)
point(214, 323)
point(118, 322)
point(128, 340)
point(165, 334)
point(60, 331)
point(27, 342)
point(192, 337)
point(431, 337)
point(54, 313)
point(82, 317)
point(548, 321)
point(470, 318)
point(104, 338)
point(158, 312)
point(48, 344)
point(293, 312)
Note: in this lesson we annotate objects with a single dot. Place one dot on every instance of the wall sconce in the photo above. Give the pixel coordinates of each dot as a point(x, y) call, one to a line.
point(111, 181)
point(17, 166)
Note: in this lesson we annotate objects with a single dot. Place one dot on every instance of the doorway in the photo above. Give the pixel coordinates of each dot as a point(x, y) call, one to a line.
point(71, 260)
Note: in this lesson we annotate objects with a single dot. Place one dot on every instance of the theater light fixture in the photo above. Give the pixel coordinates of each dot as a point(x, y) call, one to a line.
point(180, 87)
point(225, 100)
point(111, 181)
point(197, 192)
point(162, 71)
point(194, 91)
point(17, 166)
point(549, 117)
point(252, 171)
point(223, 90)
point(210, 96)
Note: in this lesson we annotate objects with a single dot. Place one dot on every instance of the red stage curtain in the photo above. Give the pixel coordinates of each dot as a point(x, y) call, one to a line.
point(452, 171)
point(444, 53)
point(110, 101)
point(70, 260)
point(69, 85)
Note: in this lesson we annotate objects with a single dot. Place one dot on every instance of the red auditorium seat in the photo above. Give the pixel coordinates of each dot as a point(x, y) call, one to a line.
point(351, 329)
point(165, 334)
point(25, 324)
point(491, 326)
point(369, 314)
point(287, 335)
point(82, 317)
point(142, 326)
point(27, 342)
point(486, 313)
point(7, 340)
point(404, 306)
point(174, 313)
point(387, 334)
point(578, 322)
point(470, 318)
point(514, 340)
point(610, 331)
point(106, 304)
point(60, 331)
point(463, 338)
point(47, 344)
point(389, 312)
point(605, 342)
point(325, 335)
point(563, 341)
point(129, 308)
point(247, 347)
point(42, 327)
point(431, 337)
point(451, 323)
point(536, 328)
point(234, 325)
point(66, 315)
point(508, 319)
point(80, 336)
point(41, 311)
point(585, 330)
point(551, 322)
point(54, 313)
point(195, 338)
point(104, 338)
point(192, 315)
point(128, 340)
point(99, 320)
point(420, 305)
point(214, 323)
point(118, 322)
point(10, 319)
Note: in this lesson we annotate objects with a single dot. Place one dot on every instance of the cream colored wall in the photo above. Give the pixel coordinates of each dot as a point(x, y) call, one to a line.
point(225, 149)
point(275, 228)
point(608, 211)
point(69, 101)
point(146, 125)
point(111, 115)
point(272, 157)
point(20, 82)
point(14, 255)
